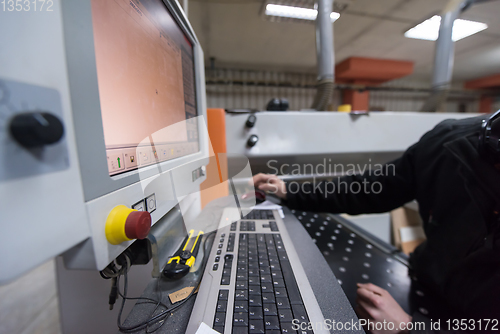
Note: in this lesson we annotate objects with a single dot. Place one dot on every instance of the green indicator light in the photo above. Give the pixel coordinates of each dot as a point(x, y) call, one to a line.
point(119, 163)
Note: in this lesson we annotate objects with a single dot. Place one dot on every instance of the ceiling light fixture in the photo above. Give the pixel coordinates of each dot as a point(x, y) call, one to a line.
point(429, 29)
point(296, 12)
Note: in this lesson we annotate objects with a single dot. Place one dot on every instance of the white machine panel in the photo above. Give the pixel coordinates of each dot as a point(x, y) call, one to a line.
point(43, 211)
point(322, 133)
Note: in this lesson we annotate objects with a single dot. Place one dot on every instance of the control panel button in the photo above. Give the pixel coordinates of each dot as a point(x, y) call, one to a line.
point(130, 159)
point(115, 161)
point(151, 203)
point(137, 225)
point(124, 224)
point(139, 206)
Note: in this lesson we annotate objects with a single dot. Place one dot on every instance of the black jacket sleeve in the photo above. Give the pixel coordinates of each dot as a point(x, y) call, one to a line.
point(370, 192)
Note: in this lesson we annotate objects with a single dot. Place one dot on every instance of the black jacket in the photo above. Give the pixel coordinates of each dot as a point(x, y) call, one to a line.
point(459, 199)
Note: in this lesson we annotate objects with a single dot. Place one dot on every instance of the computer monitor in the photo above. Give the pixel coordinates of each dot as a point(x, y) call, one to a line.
point(145, 73)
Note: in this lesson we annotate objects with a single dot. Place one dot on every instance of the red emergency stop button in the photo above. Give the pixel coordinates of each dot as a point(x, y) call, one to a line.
point(124, 224)
point(137, 225)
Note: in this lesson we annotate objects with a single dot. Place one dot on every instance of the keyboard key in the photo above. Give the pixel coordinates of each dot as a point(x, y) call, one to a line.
point(254, 301)
point(276, 274)
point(225, 280)
point(253, 265)
point(268, 297)
point(226, 272)
point(242, 285)
point(254, 280)
point(283, 256)
point(282, 303)
point(256, 327)
point(270, 309)
point(285, 315)
point(241, 276)
point(219, 329)
point(241, 295)
point(255, 313)
point(240, 319)
point(215, 267)
point(266, 279)
point(217, 258)
point(280, 292)
point(223, 294)
point(271, 322)
point(278, 283)
point(287, 328)
point(266, 287)
point(219, 252)
point(220, 319)
point(275, 266)
point(254, 290)
point(299, 312)
point(304, 331)
point(241, 269)
point(221, 306)
point(240, 306)
point(265, 270)
point(291, 284)
point(263, 263)
point(240, 330)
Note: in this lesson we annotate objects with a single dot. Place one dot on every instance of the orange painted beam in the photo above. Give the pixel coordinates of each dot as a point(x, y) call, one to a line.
point(371, 70)
point(215, 184)
point(359, 101)
point(486, 104)
point(485, 82)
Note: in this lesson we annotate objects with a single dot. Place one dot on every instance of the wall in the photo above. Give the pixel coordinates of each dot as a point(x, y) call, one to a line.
point(252, 89)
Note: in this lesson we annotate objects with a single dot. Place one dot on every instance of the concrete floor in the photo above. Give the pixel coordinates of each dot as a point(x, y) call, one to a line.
point(29, 305)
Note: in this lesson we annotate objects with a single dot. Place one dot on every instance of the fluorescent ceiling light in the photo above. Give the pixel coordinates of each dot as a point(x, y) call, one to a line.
point(296, 12)
point(429, 29)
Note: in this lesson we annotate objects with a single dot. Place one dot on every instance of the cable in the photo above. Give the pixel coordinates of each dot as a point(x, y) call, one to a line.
point(167, 311)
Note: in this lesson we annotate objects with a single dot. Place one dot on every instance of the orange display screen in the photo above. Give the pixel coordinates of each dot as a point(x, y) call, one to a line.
point(146, 83)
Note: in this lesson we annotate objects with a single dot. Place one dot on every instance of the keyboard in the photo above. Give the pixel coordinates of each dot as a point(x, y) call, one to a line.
point(254, 282)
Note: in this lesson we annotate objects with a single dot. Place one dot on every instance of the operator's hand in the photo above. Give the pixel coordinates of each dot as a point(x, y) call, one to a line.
point(376, 304)
point(270, 183)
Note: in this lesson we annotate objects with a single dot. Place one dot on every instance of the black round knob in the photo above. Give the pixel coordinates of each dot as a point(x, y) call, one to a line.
point(35, 129)
point(252, 140)
point(185, 255)
point(251, 121)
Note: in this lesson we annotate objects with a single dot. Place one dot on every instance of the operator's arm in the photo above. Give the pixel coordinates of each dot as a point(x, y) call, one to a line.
point(371, 192)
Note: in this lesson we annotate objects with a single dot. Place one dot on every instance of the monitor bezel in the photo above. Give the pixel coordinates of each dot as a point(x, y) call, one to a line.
point(85, 102)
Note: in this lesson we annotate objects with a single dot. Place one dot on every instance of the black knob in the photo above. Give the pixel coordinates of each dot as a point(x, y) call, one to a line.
point(185, 255)
point(251, 121)
point(252, 140)
point(35, 129)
